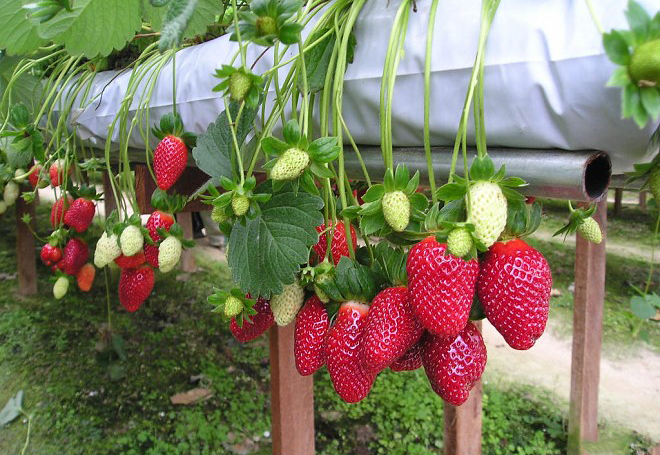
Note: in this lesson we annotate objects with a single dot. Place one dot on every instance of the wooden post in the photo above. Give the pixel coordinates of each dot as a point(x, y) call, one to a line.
point(25, 249)
point(642, 199)
point(463, 423)
point(292, 398)
point(108, 195)
point(188, 256)
point(587, 336)
point(618, 202)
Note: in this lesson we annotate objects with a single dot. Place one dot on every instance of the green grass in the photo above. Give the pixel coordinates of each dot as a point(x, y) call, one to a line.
point(85, 400)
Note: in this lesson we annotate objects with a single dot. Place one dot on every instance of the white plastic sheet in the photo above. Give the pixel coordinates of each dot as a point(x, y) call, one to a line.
point(545, 80)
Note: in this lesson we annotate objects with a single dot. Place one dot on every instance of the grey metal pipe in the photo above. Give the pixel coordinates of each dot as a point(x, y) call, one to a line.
point(577, 175)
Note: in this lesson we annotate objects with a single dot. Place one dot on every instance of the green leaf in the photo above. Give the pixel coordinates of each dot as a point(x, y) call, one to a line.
point(94, 27)
point(18, 35)
point(451, 192)
point(641, 308)
point(638, 19)
point(266, 252)
point(291, 132)
point(513, 182)
point(317, 61)
point(482, 168)
point(374, 193)
point(620, 77)
point(324, 149)
point(203, 16)
point(213, 152)
point(651, 101)
point(179, 13)
point(630, 100)
point(419, 201)
point(19, 116)
point(616, 47)
point(372, 223)
point(290, 33)
point(273, 146)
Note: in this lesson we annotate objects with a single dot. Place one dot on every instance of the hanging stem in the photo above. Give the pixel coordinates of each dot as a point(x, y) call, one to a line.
point(427, 98)
point(597, 22)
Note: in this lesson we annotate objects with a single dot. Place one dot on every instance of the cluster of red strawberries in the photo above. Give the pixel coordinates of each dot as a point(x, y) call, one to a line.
point(66, 252)
point(426, 323)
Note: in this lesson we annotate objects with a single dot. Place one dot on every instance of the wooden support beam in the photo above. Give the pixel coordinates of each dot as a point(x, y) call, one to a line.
point(191, 179)
point(618, 202)
point(187, 256)
point(108, 195)
point(292, 398)
point(26, 257)
point(642, 199)
point(587, 337)
point(463, 423)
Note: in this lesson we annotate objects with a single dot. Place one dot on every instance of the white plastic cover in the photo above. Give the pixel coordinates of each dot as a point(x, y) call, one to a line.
point(545, 79)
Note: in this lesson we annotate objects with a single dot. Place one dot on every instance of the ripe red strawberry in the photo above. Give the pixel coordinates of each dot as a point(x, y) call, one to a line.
point(411, 360)
point(261, 322)
point(454, 365)
point(390, 330)
point(130, 262)
point(74, 256)
point(50, 254)
point(351, 380)
point(151, 254)
point(80, 214)
point(56, 172)
point(170, 159)
point(33, 178)
point(308, 340)
point(158, 219)
point(58, 211)
point(441, 287)
point(135, 285)
point(514, 289)
point(338, 247)
point(85, 277)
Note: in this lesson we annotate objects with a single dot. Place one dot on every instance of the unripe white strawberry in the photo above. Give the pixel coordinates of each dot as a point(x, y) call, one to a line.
point(169, 253)
point(459, 242)
point(487, 211)
point(240, 204)
point(290, 165)
point(18, 175)
point(60, 287)
point(131, 240)
point(233, 306)
point(11, 193)
point(3, 207)
point(396, 210)
point(239, 85)
point(106, 250)
point(285, 306)
point(590, 230)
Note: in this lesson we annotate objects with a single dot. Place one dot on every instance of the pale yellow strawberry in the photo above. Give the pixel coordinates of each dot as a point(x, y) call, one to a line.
point(487, 211)
point(169, 253)
point(290, 165)
point(285, 306)
point(131, 240)
point(396, 210)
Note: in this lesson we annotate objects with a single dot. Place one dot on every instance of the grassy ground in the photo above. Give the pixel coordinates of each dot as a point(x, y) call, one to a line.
point(87, 399)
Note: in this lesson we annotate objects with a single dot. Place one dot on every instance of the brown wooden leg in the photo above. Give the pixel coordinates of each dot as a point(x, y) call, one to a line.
point(292, 398)
point(587, 336)
point(188, 256)
point(463, 423)
point(25, 249)
point(618, 202)
point(108, 195)
point(642, 199)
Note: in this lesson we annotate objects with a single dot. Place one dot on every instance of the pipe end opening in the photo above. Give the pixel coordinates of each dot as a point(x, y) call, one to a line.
point(597, 175)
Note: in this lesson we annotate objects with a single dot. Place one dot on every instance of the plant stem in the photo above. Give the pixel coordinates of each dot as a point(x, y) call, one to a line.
point(427, 98)
point(597, 22)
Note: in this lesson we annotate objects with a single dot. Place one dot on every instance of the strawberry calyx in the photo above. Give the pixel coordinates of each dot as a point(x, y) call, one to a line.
point(240, 84)
point(238, 200)
point(352, 281)
point(576, 218)
point(167, 203)
point(176, 231)
point(171, 125)
point(233, 305)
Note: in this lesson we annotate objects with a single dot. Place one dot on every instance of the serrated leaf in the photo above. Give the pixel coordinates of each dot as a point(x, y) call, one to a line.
point(638, 19)
point(641, 308)
point(213, 152)
point(372, 223)
point(317, 61)
point(630, 100)
point(374, 193)
point(266, 252)
point(324, 149)
point(616, 47)
point(179, 13)
point(651, 101)
point(18, 35)
point(619, 78)
point(203, 16)
point(451, 192)
point(94, 27)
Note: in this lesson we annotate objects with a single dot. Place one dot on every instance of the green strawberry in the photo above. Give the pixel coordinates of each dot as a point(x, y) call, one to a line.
point(644, 67)
point(654, 183)
point(290, 165)
point(240, 204)
point(239, 85)
point(218, 215)
point(459, 242)
point(323, 297)
point(396, 209)
point(590, 230)
point(487, 211)
point(131, 240)
point(60, 287)
point(106, 250)
point(266, 25)
point(169, 253)
point(233, 307)
point(285, 306)
point(11, 193)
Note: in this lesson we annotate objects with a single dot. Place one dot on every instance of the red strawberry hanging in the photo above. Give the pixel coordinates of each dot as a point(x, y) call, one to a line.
point(58, 211)
point(34, 177)
point(514, 289)
point(309, 338)
point(135, 286)
point(411, 360)
point(441, 287)
point(85, 277)
point(80, 214)
point(158, 219)
point(390, 329)
point(260, 322)
point(349, 377)
point(454, 365)
point(50, 254)
point(171, 153)
point(74, 256)
point(339, 245)
point(56, 172)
